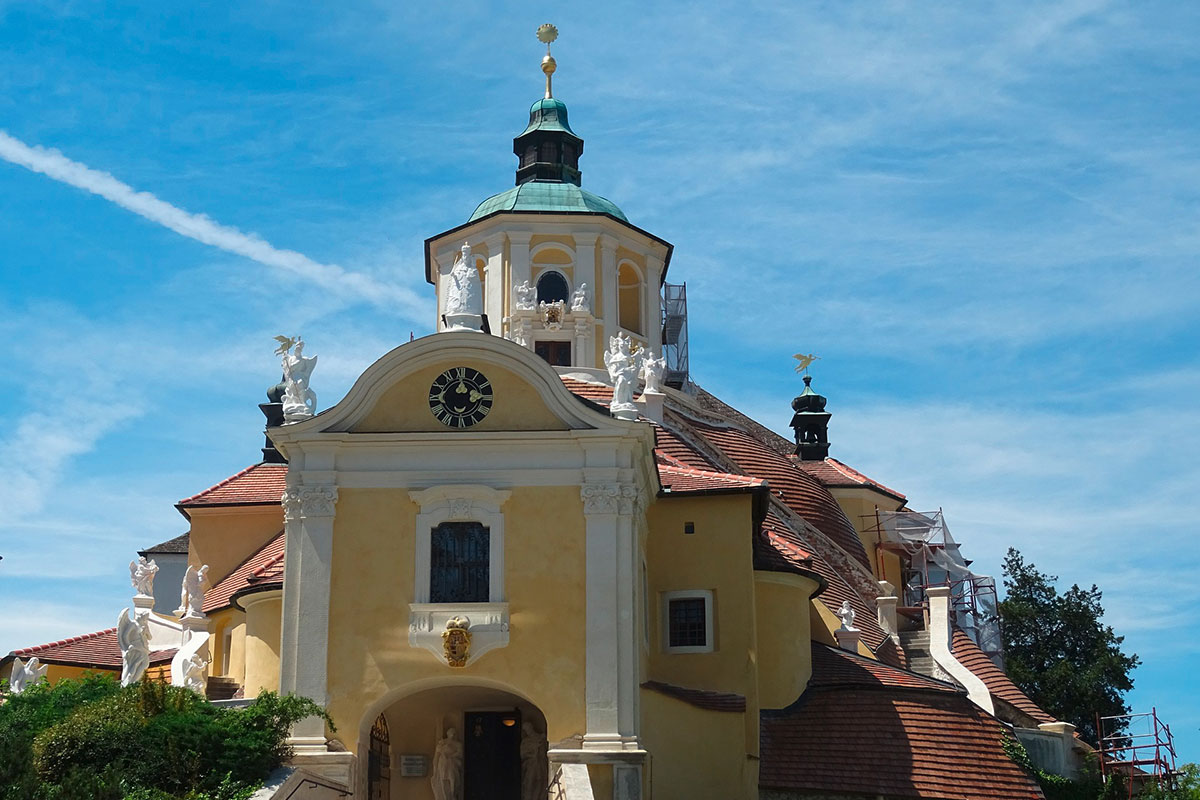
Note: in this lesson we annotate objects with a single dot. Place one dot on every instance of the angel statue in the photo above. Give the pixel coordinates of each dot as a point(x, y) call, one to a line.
point(133, 635)
point(141, 575)
point(805, 360)
point(579, 300)
point(623, 368)
point(25, 675)
point(846, 615)
point(652, 373)
point(193, 671)
point(525, 301)
point(299, 401)
point(191, 594)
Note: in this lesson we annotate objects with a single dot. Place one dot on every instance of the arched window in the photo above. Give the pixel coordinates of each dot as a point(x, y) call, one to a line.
point(551, 287)
point(629, 298)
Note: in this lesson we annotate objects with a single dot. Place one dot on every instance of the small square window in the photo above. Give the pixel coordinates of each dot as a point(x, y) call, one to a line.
point(688, 618)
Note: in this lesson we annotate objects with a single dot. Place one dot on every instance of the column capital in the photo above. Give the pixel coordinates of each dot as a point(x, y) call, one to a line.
point(585, 238)
point(519, 237)
point(304, 502)
point(610, 498)
point(607, 242)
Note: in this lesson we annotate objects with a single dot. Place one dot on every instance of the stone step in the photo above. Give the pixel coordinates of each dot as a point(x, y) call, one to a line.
point(219, 688)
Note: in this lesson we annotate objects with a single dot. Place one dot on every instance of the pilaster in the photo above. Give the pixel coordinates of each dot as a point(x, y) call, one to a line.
point(518, 242)
point(304, 642)
point(652, 303)
point(494, 288)
point(608, 283)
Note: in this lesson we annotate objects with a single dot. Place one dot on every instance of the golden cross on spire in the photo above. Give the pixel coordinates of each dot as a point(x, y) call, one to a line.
point(547, 33)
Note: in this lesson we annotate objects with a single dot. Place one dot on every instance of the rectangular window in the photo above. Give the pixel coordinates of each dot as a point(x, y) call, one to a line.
point(459, 563)
point(689, 622)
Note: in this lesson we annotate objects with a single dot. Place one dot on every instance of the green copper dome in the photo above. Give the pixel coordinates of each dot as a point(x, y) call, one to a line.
point(549, 114)
point(548, 196)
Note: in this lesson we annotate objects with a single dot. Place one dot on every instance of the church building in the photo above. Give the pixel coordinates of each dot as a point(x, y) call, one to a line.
point(526, 556)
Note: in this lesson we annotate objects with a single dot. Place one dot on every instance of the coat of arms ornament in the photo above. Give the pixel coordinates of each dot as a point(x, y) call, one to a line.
point(456, 641)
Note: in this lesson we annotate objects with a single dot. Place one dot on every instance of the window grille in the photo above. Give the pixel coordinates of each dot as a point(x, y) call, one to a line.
point(459, 563)
point(688, 622)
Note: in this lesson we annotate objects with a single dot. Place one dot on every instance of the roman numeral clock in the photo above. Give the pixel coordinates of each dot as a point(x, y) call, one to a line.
point(460, 397)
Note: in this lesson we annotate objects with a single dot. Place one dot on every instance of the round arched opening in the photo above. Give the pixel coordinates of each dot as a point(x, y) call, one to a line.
point(629, 298)
point(552, 287)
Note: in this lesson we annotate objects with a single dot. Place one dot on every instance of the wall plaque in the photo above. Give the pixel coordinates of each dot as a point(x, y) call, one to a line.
point(413, 766)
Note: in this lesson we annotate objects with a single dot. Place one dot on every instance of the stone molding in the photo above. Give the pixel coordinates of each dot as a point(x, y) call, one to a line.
point(610, 498)
point(304, 502)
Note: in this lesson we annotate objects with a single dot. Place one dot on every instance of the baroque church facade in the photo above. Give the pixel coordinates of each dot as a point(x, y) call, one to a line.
point(526, 557)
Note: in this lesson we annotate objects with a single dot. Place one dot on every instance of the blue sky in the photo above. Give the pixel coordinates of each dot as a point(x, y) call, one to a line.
point(984, 219)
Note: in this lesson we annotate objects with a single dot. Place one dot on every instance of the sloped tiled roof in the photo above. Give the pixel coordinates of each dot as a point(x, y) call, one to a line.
point(831, 472)
point(1000, 685)
point(259, 570)
point(864, 728)
point(97, 650)
point(700, 698)
point(258, 484)
point(175, 546)
point(596, 392)
point(679, 480)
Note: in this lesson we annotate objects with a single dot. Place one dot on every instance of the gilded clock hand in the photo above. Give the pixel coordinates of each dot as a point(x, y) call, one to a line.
point(475, 396)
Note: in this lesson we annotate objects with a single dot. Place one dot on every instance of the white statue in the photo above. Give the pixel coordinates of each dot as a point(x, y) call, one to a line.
point(191, 593)
point(846, 615)
point(194, 673)
point(623, 369)
point(299, 401)
point(133, 635)
point(448, 768)
point(25, 675)
point(141, 574)
point(652, 373)
point(579, 300)
point(535, 768)
point(525, 300)
point(464, 295)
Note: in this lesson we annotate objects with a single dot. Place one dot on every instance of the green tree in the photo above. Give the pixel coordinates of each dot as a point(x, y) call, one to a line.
point(1058, 650)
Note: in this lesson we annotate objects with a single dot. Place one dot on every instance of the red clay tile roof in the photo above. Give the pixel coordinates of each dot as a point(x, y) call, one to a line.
point(678, 480)
point(97, 650)
point(864, 728)
point(596, 392)
point(832, 472)
point(999, 684)
point(763, 434)
point(259, 484)
point(700, 698)
point(256, 571)
point(177, 545)
point(668, 444)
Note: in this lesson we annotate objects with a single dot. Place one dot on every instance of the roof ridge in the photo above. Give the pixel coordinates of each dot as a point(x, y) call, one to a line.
point(218, 485)
point(69, 640)
point(876, 662)
point(713, 473)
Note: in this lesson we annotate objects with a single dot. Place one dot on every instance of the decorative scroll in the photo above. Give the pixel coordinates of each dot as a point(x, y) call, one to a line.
point(300, 502)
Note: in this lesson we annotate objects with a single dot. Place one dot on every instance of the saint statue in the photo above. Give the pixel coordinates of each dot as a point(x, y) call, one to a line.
point(623, 368)
point(525, 300)
point(535, 768)
point(464, 295)
point(191, 593)
point(141, 574)
point(194, 676)
point(652, 373)
point(299, 401)
point(579, 300)
point(846, 615)
point(25, 675)
point(133, 635)
point(448, 768)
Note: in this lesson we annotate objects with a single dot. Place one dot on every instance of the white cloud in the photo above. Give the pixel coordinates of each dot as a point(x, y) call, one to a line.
point(331, 277)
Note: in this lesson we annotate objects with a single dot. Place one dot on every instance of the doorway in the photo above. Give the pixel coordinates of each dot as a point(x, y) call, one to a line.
point(379, 776)
point(492, 755)
point(558, 354)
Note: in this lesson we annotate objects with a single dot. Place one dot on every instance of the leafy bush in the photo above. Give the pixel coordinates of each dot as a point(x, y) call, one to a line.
point(92, 739)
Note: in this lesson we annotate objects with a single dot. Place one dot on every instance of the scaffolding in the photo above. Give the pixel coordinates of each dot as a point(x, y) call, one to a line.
point(1139, 748)
point(675, 335)
point(929, 556)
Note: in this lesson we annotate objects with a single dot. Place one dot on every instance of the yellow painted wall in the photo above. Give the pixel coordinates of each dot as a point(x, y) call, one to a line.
point(372, 580)
point(601, 777)
point(405, 406)
point(784, 636)
point(694, 753)
point(264, 615)
point(231, 620)
point(224, 538)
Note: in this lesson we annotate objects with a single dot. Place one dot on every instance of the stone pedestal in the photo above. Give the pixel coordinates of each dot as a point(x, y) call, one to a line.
point(848, 638)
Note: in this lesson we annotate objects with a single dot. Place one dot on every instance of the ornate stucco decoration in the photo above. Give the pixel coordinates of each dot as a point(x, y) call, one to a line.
point(552, 314)
point(610, 498)
point(300, 502)
point(456, 641)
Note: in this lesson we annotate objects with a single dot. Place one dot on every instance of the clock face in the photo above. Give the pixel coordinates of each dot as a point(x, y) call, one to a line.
point(460, 397)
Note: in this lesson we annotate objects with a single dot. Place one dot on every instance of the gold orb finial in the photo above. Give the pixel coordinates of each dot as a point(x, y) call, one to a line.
point(547, 33)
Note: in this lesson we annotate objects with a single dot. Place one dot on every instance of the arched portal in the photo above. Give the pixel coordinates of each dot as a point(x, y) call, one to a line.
point(379, 761)
point(497, 750)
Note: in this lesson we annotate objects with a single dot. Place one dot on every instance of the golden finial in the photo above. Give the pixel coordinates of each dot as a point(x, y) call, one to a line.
point(805, 360)
point(547, 33)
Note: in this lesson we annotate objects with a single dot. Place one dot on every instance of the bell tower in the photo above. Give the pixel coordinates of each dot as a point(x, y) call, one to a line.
point(562, 270)
point(811, 423)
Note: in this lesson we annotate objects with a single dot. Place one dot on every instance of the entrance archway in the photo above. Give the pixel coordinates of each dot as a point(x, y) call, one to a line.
point(500, 751)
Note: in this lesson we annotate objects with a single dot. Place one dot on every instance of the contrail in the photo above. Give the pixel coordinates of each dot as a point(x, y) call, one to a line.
point(55, 165)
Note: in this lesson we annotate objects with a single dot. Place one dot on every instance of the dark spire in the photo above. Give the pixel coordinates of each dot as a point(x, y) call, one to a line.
point(273, 411)
point(548, 149)
point(811, 423)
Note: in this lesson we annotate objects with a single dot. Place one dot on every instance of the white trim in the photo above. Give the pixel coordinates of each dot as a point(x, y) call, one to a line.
point(542, 247)
point(557, 270)
point(665, 620)
point(460, 502)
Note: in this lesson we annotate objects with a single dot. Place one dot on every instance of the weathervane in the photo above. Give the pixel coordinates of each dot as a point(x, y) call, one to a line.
point(547, 33)
point(805, 361)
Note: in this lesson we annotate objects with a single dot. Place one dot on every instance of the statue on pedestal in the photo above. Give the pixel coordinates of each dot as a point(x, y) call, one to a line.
point(579, 300)
point(133, 636)
point(846, 615)
point(623, 368)
point(448, 768)
point(194, 676)
point(299, 401)
point(141, 575)
point(535, 768)
point(525, 297)
point(25, 675)
point(191, 594)
point(464, 294)
point(652, 373)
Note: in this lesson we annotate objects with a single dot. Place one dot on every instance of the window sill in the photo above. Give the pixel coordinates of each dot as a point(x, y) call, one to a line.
point(488, 626)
